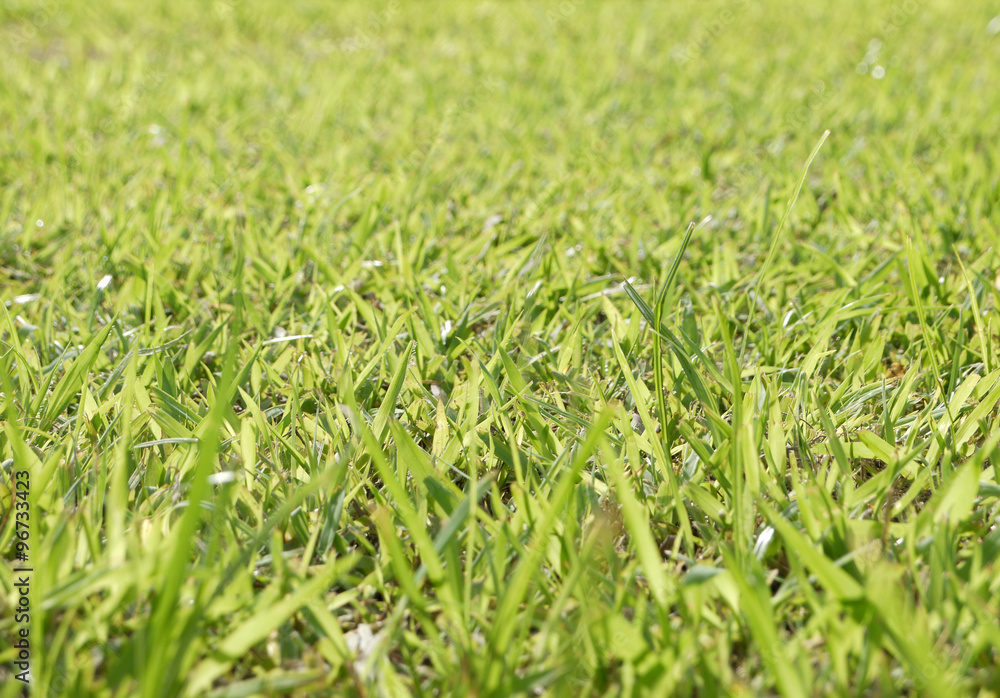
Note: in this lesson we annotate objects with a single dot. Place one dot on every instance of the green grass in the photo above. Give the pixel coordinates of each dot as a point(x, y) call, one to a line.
point(360, 350)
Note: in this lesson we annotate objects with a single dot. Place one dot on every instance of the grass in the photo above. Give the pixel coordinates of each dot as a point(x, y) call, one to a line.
point(360, 349)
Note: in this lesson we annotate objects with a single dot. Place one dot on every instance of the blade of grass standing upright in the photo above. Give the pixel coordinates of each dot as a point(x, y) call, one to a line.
point(777, 237)
point(661, 301)
point(658, 309)
point(659, 386)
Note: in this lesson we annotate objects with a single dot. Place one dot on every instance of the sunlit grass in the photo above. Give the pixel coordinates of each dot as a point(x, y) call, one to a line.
point(477, 348)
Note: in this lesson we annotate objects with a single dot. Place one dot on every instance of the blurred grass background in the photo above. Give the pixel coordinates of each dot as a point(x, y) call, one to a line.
point(478, 178)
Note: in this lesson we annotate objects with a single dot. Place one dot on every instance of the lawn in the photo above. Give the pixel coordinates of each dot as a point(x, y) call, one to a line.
point(573, 348)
